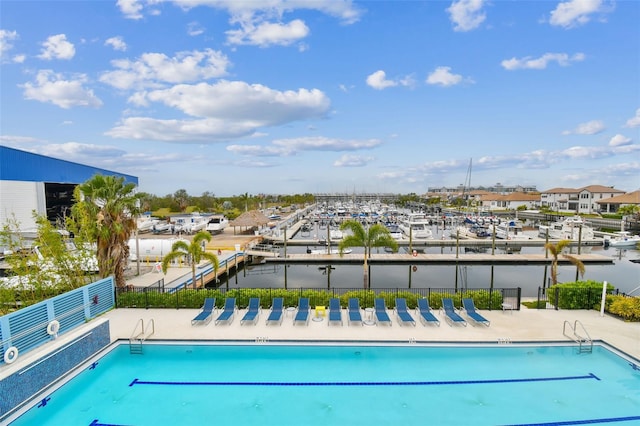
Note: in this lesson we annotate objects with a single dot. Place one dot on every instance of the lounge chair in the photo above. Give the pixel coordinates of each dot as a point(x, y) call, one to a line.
point(470, 309)
point(253, 310)
point(404, 317)
point(381, 312)
point(276, 313)
point(302, 316)
point(353, 311)
point(425, 314)
point(451, 315)
point(204, 317)
point(228, 312)
point(335, 311)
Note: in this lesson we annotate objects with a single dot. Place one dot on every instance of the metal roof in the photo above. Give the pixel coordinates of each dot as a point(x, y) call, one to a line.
point(29, 167)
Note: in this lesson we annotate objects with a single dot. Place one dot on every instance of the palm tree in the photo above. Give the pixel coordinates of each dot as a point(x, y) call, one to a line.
point(375, 236)
point(556, 250)
point(194, 251)
point(105, 212)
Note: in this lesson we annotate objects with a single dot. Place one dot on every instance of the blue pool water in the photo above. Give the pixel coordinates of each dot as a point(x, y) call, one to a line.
point(264, 384)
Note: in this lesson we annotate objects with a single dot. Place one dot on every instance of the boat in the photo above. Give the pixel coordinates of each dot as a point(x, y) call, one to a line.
point(330, 251)
point(511, 230)
point(416, 226)
point(217, 224)
point(624, 239)
point(571, 228)
point(394, 231)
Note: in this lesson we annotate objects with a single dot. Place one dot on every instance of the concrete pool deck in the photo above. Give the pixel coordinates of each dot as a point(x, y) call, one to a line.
point(526, 325)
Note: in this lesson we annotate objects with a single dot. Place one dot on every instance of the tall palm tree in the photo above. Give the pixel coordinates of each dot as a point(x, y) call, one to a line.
point(375, 236)
point(194, 252)
point(556, 250)
point(105, 211)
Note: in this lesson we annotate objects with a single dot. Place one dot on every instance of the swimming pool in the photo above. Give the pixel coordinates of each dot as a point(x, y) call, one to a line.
point(286, 384)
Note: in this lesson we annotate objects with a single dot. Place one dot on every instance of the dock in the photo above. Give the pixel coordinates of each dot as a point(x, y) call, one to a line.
point(439, 259)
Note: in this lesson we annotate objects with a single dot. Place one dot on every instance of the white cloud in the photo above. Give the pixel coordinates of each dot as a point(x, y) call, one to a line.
point(117, 43)
point(540, 63)
point(194, 29)
point(131, 9)
point(230, 110)
point(155, 69)
point(378, 80)
point(589, 128)
point(289, 147)
point(442, 76)
point(6, 38)
point(57, 47)
point(65, 93)
point(619, 140)
point(353, 161)
point(267, 33)
point(466, 15)
point(19, 59)
point(634, 121)
point(573, 13)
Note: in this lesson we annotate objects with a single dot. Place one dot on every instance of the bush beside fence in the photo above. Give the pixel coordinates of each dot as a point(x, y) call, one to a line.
point(194, 298)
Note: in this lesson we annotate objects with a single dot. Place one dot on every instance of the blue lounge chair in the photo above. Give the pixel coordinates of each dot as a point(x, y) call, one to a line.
point(381, 312)
point(451, 315)
point(403, 314)
point(353, 310)
point(228, 312)
point(302, 316)
point(204, 317)
point(276, 313)
point(253, 310)
point(470, 309)
point(424, 313)
point(335, 311)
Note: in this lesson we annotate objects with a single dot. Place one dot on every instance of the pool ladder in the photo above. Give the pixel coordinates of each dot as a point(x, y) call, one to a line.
point(140, 334)
point(585, 343)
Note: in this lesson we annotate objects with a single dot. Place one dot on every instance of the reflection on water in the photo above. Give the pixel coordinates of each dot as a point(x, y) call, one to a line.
point(623, 274)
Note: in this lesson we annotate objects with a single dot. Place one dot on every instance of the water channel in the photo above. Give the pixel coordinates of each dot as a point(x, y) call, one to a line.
point(623, 274)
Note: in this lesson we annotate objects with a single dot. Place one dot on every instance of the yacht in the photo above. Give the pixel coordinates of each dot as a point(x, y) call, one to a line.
point(416, 226)
point(624, 239)
point(572, 228)
point(511, 230)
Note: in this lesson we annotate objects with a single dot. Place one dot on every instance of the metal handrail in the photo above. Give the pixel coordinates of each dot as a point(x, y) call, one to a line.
point(579, 339)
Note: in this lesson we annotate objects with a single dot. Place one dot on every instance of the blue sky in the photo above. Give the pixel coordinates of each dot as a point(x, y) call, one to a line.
point(294, 96)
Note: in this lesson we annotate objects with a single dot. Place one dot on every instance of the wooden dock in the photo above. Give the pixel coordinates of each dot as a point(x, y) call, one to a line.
point(439, 259)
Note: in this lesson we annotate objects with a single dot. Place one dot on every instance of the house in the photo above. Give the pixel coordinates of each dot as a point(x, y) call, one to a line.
point(515, 200)
point(612, 204)
point(579, 200)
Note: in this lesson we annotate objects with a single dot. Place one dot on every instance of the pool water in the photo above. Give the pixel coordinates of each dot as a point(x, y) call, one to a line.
point(265, 384)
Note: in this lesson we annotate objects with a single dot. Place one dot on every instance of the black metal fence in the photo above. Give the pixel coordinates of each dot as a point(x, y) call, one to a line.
point(157, 297)
point(571, 297)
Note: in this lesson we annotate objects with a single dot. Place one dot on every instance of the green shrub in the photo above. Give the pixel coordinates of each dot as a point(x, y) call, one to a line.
point(624, 306)
point(577, 295)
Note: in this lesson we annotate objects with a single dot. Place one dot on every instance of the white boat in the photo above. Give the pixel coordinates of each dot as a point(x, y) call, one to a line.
point(217, 224)
point(335, 234)
point(624, 239)
point(394, 231)
point(572, 228)
point(144, 224)
point(331, 251)
point(416, 226)
point(511, 230)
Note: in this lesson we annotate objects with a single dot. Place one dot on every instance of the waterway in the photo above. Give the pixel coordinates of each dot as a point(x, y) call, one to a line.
point(623, 274)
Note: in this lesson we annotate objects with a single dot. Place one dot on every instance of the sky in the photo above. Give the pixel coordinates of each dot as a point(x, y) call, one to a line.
point(327, 96)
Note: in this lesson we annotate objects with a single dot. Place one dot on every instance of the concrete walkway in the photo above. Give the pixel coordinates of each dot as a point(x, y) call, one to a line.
point(527, 325)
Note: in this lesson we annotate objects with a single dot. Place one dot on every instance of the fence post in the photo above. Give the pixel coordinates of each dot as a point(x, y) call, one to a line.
point(557, 297)
point(519, 297)
point(538, 304)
